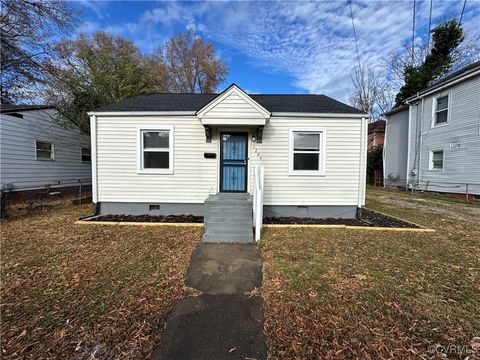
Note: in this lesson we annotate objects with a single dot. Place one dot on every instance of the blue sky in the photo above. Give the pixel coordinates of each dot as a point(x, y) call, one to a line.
point(279, 47)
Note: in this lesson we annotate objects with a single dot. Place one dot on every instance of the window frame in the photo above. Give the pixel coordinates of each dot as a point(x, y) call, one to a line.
point(322, 151)
point(434, 123)
point(430, 160)
point(81, 154)
point(52, 150)
point(140, 150)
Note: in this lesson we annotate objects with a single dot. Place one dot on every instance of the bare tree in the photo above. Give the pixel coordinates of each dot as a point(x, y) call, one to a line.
point(371, 93)
point(191, 63)
point(27, 31)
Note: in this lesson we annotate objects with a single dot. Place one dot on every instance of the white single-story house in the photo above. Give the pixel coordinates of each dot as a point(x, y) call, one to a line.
point(36, 149)
point(164, 153)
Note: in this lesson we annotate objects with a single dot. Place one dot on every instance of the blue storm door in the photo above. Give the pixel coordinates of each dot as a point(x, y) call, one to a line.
point(233, 162)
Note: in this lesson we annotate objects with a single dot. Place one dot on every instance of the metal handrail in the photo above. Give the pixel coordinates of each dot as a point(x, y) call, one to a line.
point(258, 201)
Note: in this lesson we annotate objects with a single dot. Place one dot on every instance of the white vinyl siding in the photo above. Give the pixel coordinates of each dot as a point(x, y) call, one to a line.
point(233, 106)
point(460, 161)
point(19, 164)
point(195, 177)
point(339, 186)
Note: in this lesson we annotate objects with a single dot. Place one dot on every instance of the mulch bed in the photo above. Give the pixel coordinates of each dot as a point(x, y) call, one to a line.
point(150, 218)
point(369, 218)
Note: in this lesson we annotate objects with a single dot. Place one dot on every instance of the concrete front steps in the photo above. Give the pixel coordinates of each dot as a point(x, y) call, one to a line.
point(228, 218)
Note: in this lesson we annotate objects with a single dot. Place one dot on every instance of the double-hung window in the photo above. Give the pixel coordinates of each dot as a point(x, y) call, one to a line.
point(155, 150)
point(436, 160)
point(86, 155)
point(44, 150)
point(307, 151)
point(441, 110)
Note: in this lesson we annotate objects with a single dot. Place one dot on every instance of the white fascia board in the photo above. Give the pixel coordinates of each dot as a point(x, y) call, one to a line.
point(234, 121)
point(93, 154)
point(142, 113)
point(319, 115)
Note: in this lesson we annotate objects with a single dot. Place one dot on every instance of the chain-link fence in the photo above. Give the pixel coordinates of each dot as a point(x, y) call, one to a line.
point(468, 191)
point(18, 200)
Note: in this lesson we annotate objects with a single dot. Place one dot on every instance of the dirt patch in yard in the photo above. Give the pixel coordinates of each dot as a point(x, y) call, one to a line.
point(369, 218)
point(149, 218)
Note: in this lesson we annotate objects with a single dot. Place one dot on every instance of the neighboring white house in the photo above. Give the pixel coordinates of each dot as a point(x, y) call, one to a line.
point(166, 153)
point(35, 150)
point(433, 141)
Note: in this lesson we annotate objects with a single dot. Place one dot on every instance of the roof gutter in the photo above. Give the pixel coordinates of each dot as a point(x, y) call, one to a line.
point(322, 115)
point(141, 113)
point(193, 113)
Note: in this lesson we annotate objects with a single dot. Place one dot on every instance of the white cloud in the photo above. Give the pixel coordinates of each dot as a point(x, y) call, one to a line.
point(311, 41)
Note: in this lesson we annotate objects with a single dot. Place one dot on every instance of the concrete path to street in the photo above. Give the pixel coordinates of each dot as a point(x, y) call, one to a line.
point(225, 322)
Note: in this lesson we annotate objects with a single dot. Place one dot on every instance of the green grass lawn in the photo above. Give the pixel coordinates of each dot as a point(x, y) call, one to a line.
point(345, 294)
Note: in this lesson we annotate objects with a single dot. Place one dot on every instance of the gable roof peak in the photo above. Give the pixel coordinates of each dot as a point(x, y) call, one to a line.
point(233, 89)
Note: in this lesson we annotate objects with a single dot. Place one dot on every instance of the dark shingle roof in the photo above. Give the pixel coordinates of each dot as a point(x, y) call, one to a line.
point(6, 108)
point(194, 102)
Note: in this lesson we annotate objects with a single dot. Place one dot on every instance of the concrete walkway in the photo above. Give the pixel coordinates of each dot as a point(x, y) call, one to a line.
point(225, 268)
point(224, 322)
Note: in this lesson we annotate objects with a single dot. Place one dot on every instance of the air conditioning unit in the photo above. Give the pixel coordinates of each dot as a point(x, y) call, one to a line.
point(393, 177)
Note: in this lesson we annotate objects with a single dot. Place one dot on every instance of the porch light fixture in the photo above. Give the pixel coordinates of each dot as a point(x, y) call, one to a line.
point(259, 134)
point(208, 133)
point(254, 138)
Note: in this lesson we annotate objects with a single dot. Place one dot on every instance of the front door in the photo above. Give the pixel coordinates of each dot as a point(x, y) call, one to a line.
point(233, 162)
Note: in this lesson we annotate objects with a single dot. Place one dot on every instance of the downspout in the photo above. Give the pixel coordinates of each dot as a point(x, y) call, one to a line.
point(361, 169)
point(420, 141)
point(384, 151)
point(407, 175)
point(93, 147)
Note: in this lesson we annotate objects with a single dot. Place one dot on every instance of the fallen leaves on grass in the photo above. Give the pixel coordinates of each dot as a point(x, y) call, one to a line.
point(375, 295)
point(88, 292)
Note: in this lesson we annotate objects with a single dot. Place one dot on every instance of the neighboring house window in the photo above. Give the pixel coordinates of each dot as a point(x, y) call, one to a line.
point(44, 150)
point(156, 150)
point(86, 155)
point(441, 110)
point(307, 151)
point(436, 160)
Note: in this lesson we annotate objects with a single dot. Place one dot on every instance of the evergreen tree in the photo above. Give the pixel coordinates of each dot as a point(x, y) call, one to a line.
point(446, 38)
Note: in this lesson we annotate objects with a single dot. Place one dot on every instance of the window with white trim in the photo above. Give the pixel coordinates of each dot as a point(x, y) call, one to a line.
point(155, 150)
point(441, 110)
point(86, 155)
point(307, 151)
point(44, 150)
point(436, 160)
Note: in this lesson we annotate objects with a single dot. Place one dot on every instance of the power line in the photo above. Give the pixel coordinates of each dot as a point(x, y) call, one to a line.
point(429, 26)
point(461, 15)
point(413, 32)
point(354, 33)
